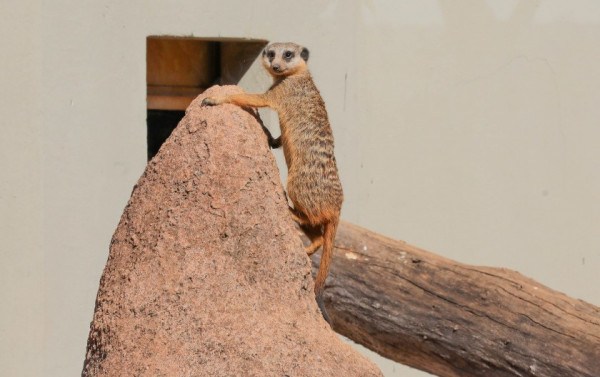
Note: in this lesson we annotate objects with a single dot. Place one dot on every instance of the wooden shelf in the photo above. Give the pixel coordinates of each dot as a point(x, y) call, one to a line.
point(178, 69)
point(171, 97)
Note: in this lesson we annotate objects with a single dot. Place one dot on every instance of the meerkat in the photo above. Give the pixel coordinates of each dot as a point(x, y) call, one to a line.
point(313, 184)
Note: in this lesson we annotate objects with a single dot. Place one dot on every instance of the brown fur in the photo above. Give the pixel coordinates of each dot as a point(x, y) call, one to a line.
point(313, 184)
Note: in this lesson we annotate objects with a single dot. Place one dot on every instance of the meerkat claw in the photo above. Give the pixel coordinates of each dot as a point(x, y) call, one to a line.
point(208, 101)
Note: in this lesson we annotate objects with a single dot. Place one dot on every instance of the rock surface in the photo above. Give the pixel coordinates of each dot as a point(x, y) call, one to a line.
point(206, 274)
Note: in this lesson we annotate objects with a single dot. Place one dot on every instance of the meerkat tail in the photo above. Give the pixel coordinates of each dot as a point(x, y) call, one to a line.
point(330, 229)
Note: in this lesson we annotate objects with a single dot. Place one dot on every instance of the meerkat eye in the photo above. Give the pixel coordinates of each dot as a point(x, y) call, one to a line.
point(271, 54)
point(288, 54)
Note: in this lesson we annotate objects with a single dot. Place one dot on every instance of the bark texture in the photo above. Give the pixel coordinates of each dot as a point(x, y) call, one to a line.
point(451, 319)
point(206, 275)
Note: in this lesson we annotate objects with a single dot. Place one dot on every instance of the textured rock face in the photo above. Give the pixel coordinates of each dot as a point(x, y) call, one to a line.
point(206, 274)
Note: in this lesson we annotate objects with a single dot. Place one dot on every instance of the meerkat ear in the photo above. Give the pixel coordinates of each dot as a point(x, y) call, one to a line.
point(304, 54)
point(264, 52)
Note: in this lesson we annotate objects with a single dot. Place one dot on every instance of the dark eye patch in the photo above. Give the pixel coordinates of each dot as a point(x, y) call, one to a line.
point(271, 54)
point(288, 55)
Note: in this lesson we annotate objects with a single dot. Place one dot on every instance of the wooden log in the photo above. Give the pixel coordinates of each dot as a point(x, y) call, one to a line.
point(452, 319)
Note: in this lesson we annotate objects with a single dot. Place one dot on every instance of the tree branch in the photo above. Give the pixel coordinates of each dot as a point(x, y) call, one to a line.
point(452, 319)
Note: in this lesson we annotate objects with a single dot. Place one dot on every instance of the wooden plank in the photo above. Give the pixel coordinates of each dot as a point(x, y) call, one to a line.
point(181, 62)
point(171, 97)
point(178, 69)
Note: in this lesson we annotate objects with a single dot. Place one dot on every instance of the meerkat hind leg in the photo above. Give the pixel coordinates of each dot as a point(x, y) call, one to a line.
point(314, 233)
point(299, 217)
point(317, 242)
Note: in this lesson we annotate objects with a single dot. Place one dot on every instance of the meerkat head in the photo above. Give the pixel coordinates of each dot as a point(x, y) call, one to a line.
point(284, 59)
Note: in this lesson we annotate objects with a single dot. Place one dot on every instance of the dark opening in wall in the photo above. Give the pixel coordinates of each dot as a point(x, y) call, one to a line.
point(160, 125)
point(178, 69)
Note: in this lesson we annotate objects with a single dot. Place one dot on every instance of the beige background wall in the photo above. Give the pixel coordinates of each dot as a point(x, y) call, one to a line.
point(468, 128)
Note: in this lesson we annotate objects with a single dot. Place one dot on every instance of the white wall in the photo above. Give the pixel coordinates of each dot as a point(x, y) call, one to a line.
point(21, 216)
point(480, 128)
point(468, 128)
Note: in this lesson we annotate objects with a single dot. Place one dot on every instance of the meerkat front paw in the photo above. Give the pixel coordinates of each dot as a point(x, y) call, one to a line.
point(210, 101)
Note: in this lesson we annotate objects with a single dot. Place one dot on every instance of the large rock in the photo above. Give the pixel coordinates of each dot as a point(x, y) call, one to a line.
point(206, 274)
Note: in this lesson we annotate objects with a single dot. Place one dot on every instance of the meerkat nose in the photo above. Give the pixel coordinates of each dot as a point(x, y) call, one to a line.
point(276, 67)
